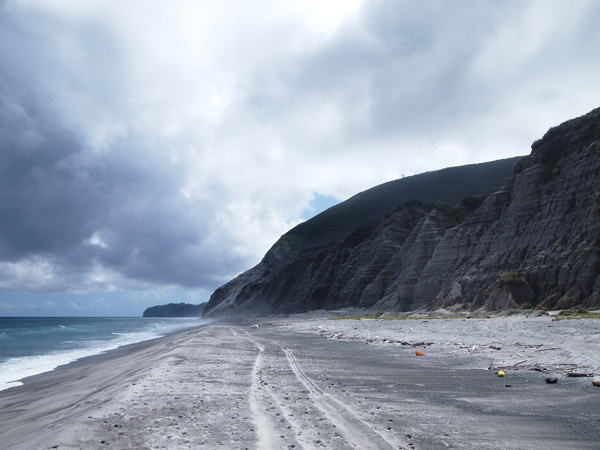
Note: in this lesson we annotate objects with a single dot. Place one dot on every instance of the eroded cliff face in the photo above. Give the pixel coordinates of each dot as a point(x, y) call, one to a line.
point(535, 242)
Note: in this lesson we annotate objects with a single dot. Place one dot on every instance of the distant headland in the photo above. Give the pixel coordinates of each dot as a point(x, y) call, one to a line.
point(175, 310)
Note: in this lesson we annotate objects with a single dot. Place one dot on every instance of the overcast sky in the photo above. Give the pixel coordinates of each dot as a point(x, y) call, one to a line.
point(150, 150)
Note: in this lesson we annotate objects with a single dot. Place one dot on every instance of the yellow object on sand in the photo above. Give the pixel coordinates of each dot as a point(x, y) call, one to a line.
point(500, 373)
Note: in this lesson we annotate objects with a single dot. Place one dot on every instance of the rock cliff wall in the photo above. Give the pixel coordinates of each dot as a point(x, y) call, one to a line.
point(534, 242)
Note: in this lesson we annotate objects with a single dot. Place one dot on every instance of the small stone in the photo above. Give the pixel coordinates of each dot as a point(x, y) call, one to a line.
point(596, 381)
point(551, 380)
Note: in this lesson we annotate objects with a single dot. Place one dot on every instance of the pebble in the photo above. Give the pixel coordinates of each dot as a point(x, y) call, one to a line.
point(551, 380)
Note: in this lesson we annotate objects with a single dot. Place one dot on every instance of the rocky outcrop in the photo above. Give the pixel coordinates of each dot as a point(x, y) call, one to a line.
point(534, 242)
point(175, 310)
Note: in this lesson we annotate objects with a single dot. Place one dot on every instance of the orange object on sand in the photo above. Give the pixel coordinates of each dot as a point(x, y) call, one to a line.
point(419, 353)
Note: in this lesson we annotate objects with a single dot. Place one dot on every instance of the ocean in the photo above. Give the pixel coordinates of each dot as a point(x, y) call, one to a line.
point(33, 345)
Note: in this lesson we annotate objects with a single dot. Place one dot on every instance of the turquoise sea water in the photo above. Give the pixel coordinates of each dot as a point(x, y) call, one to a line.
point(32, 345)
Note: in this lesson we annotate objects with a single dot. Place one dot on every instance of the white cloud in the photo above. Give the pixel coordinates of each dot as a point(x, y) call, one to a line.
point(33, 274)
point(101, 304)
point(74, 306)
point(5, 306)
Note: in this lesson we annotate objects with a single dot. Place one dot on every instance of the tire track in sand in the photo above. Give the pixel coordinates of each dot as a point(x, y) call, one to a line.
point(356, 430)
point(266, 430)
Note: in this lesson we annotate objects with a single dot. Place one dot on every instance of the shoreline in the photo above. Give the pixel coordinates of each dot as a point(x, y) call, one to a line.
point(97, 358)
point(286, 383)
point(16, 368)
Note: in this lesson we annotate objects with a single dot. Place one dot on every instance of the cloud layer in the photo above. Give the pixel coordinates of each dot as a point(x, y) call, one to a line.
point(151, 144)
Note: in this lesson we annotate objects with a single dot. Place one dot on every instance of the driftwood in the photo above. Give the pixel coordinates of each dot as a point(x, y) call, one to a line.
point(579, 374)
point(512, 365)
point(394, 341)
point(545, 349)
point(416, 344)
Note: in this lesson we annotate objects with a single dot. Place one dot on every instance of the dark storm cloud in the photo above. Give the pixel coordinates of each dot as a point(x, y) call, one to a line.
point(55, 199)
point(86, 200)
point(35, 185)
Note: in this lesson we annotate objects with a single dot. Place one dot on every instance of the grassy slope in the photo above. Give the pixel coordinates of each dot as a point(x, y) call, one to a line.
point(449, 185)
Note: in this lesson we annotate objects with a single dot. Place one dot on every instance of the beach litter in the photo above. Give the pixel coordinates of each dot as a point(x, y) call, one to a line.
point(501, 373)
point(419, 353)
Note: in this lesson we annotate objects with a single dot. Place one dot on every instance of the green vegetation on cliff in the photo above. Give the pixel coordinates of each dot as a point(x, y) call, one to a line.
point(449, 186)
point(569, 137)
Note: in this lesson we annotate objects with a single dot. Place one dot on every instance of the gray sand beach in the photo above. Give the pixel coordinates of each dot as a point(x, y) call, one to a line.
point(305, 382)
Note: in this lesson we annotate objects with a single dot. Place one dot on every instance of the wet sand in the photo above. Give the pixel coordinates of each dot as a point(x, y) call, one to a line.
point(312, 383)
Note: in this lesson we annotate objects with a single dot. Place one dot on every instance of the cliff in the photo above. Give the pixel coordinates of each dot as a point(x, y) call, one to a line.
point(175, 310)
point(533, 242)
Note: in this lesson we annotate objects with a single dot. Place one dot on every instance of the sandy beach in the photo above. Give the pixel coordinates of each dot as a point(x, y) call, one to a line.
point(306, 382)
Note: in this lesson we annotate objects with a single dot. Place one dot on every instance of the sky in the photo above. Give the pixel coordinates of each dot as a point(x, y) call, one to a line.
point(151, 151)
